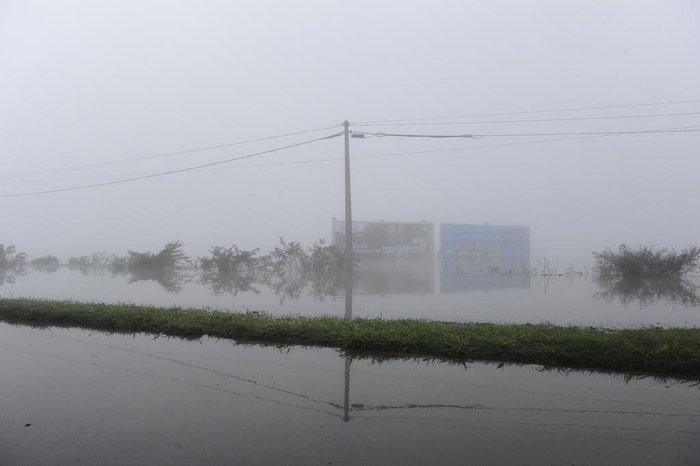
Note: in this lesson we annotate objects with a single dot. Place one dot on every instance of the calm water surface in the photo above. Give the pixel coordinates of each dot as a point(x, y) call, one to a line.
point(77, 397)
point(392, 292)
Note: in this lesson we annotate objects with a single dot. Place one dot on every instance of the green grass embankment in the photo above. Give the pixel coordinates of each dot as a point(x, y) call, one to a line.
point(656, 351)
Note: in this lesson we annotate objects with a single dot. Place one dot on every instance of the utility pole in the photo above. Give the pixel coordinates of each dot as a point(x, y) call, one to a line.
point(348, 226)
point(348, 207)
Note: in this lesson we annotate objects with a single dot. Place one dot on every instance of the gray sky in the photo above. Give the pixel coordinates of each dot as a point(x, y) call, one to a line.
point(87, 82)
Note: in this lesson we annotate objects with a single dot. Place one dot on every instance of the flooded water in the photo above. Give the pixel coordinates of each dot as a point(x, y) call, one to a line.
point(392, 290)
point(78, 397)
point(71, 396)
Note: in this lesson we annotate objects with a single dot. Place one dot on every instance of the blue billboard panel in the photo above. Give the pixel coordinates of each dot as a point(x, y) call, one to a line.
point(484, 241)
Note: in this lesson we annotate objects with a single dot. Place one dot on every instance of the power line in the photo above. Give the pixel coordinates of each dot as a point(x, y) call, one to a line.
point(167, 154)
point(171, 172)
point(419, 152)
point(538, 120)
point(392, 154)
point(530, 112)
point(595, 133)
point(433, 136)
point(336, 159)
point(571, 133)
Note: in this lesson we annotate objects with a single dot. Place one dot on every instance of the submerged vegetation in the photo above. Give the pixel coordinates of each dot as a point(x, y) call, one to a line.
point(673, 352)
point(646, 262)
point(12, 263)
point(165, 267)
point(10, 258)
point(97, 262)
point(46, 263)
point(288, 269)
point(229, 270)
point(171, 256)
point(646, 275)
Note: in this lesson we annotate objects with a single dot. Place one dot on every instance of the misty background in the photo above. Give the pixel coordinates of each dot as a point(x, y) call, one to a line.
point(111, 84)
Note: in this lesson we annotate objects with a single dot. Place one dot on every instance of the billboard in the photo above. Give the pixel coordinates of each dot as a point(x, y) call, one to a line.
point(386, 239)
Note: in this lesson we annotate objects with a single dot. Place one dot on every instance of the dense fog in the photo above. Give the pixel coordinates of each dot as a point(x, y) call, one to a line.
point(100, 92)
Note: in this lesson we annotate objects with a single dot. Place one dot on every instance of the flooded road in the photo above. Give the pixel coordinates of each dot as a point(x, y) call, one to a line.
point(71, 396)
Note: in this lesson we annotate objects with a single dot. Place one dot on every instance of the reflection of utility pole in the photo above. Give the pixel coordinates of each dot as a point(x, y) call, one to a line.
point(348, 226)
point(346, 400)
point(348, 294)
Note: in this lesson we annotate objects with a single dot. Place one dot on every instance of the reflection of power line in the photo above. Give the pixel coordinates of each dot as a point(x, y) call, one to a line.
point(170, 172)
point(189, 383)
point(210, 370)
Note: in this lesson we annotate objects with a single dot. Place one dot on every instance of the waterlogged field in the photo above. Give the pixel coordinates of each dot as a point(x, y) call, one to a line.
point(72, 396)
point(392, 291)
point(75, 396)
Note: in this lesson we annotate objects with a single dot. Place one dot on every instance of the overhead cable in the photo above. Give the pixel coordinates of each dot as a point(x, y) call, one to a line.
point(391, 154)
point(167, 154)
point(170, 172)
point(483, 135)
point(537, 120)
point(531, 112)
point(433, 136)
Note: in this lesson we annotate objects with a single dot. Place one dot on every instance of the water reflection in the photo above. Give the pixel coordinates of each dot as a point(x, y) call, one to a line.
point(46, 264)
point(170, 278)
point(648, 291)
point(391, 287)
point(228, 282)
point(10, 274)
point(395, 275)
point(288, 407)
point(461, 276)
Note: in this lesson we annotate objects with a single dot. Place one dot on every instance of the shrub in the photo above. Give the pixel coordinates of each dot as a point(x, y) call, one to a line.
point(229, 270)
point(10, 258)
point(231, 260)
point(645, 262)
point(325, 259)
point(170, 256)
point(286, 259)
point(11, 263)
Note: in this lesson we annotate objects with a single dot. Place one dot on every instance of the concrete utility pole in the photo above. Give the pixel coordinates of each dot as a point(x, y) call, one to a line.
point(348, 226)
point(348, 206)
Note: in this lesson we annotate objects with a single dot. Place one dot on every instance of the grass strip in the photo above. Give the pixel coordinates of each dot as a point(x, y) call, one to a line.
point(654, 351)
